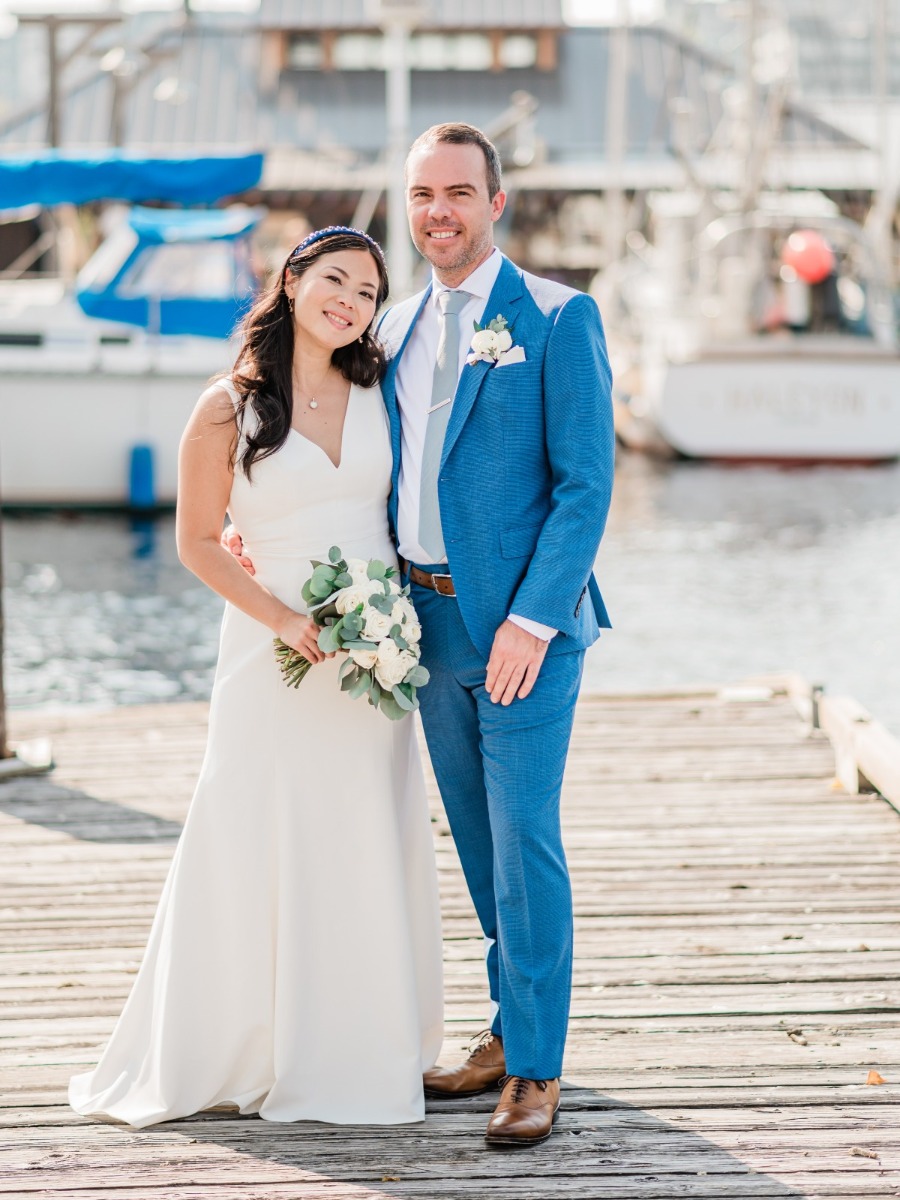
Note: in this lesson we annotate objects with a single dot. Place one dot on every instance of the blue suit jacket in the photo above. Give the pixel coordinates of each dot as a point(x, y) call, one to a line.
point(527, 468)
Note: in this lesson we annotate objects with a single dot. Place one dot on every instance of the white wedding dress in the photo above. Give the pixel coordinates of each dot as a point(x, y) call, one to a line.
point(294, 964)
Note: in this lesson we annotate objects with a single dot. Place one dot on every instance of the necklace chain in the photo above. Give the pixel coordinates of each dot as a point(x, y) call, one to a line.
point(312, 401)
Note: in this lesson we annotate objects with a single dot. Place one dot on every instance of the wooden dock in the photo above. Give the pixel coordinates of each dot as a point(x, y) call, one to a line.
point(736, 993)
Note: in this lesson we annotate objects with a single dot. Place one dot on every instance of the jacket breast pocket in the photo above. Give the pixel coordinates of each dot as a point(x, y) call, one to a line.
point(520, 542)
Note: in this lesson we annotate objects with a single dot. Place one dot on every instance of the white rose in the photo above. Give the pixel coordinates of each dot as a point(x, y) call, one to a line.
point(349, 598)
point(504, 340)
point(377, 625)
point(357, 569)
point(364, 658)
point(402, 611)
point(387, 652)
point(485, 342)
point(395, 670)
point(412, 631)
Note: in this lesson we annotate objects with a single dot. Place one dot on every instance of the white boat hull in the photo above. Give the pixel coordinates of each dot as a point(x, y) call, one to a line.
point(66, 439)
point(821, 407)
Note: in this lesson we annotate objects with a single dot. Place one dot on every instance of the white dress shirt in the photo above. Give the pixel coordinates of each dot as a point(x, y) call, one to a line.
point(414, 379)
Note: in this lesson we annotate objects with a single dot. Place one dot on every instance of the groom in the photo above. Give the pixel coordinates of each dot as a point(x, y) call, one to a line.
point(502, 478)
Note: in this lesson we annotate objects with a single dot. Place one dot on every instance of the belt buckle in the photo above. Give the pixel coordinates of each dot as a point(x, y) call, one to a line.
point(435, 576)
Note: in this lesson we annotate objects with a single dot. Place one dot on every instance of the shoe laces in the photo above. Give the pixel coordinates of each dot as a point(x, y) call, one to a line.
point(481, 1042)
point(520, 1088)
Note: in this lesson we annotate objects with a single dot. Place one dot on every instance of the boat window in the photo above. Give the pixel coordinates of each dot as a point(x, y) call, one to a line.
point(107, 260)
point(200, 270)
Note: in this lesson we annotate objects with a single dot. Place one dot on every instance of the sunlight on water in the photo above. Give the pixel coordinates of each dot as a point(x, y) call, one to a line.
point(711, 574)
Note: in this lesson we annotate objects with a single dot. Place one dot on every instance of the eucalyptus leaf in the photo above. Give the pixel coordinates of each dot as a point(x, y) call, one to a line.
point(391, 709)
point(417, 676)
point(402, 699)
point(343, 580)
point(350, 681)
point(319, 588)
point(328, 640)
point(324, 612)
point(376, 569)
point(361, 686)
point(335, 554)
point(347, 667)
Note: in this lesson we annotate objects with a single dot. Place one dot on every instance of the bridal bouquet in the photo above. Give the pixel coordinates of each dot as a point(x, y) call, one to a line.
point(363, 611)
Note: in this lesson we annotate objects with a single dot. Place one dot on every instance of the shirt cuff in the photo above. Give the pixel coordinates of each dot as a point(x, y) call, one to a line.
point(545, 632)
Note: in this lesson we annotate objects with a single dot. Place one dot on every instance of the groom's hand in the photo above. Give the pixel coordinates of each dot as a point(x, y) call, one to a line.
point(515, 663)
point(231, 540)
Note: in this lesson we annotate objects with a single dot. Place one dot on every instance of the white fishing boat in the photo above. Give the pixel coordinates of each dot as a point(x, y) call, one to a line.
point(733, 356)
point(97, 381)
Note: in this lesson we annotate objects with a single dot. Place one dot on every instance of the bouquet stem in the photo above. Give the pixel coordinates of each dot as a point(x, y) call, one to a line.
point(291, 663)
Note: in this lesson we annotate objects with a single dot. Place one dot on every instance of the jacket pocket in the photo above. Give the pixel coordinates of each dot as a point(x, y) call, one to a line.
point(519, 543)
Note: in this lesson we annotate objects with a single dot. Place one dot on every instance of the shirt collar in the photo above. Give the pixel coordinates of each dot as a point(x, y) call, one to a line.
point(479, 284)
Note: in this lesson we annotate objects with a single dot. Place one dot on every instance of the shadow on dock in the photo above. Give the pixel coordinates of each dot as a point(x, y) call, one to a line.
point(602, 1149)
point(79, 815)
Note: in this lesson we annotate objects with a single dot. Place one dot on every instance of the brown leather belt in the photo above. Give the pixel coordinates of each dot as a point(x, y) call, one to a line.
point(443, 584)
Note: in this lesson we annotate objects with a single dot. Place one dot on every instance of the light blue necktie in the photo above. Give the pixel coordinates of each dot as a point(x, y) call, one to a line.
point(443, 389)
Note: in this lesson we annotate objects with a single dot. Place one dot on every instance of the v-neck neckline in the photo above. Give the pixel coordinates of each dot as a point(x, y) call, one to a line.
point(335, 465)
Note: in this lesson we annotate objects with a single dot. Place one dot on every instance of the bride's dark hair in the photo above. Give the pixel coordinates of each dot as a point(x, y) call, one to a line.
point(262, 373)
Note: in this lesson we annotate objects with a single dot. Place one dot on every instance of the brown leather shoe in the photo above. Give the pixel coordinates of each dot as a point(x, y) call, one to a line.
point(526, 1112)
point(481, 1072)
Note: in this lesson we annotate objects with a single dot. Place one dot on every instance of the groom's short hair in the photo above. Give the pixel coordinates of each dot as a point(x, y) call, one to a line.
point(457, 133)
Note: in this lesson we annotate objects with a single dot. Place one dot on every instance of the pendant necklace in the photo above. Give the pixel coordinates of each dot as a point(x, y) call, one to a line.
point(313, 402)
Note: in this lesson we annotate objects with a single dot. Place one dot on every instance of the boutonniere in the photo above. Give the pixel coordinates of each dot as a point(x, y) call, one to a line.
point(493, 344)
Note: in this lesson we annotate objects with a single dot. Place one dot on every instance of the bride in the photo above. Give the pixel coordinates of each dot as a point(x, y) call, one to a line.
point(293, 967)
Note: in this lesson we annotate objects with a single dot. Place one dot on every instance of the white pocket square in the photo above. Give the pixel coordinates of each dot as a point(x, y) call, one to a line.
point(515, 354)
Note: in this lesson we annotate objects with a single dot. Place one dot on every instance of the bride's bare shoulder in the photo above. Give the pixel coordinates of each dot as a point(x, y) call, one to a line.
point(217, 403)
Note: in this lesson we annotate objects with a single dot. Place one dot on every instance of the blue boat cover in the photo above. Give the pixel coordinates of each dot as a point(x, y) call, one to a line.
point(157, 225)
point(60, 177)
point(180, 273)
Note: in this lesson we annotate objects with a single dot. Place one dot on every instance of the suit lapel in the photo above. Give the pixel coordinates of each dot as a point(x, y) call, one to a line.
point(504, 298)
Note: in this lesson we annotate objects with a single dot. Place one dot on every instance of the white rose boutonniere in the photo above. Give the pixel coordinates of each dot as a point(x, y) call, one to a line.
point(493, 344)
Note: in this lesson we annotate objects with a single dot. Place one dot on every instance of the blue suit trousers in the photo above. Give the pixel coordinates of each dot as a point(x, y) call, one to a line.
point(500, 772)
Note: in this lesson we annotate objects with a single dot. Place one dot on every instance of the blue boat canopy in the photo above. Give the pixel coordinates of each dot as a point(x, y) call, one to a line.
point(174, 272)
point(59, 177)
point(158, 225)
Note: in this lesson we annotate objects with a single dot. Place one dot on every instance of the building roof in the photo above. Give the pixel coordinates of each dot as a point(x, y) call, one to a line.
point(436, 14)
point(203, 86)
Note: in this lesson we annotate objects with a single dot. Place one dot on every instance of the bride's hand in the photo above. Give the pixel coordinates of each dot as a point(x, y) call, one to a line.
point(301, 634)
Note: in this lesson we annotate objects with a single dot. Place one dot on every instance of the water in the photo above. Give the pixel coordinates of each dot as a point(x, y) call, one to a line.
point(711, 574)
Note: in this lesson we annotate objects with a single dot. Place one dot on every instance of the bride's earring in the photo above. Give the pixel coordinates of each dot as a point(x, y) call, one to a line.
point(290, 303)
point(362, 337)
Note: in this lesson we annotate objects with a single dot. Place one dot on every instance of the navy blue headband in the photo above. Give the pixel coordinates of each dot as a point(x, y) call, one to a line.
point(332, 231)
